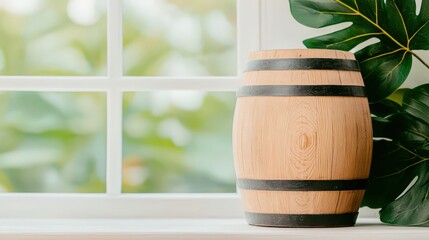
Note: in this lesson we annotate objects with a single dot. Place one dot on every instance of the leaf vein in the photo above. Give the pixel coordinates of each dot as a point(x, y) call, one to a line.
point(418, 30)
point(403, 22)
point(357, 36)
point(373, 23)
point(397, 65)
point(411, 152)
point(340, 13)
point(402, 170)
point(418, 110)
point(419, 134)
point(382, 55)
point(376, 12)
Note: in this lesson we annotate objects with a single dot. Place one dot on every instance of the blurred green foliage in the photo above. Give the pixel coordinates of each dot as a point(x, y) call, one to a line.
point(178, 142)
point(180, 38)
point(38, 37)
point(52, 142)
point(56, 142)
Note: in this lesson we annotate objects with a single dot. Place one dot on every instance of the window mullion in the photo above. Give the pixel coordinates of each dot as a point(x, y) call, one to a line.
point(114, 98)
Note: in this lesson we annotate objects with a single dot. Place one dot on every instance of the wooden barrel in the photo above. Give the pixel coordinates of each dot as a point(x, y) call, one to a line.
point(302, 138)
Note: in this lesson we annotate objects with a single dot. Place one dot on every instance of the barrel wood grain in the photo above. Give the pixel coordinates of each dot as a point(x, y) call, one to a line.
point(301, 202)
point(301, 53)
point(302, 138)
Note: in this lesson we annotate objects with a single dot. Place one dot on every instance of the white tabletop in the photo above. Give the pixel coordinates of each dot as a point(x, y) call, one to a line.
point(366, 228)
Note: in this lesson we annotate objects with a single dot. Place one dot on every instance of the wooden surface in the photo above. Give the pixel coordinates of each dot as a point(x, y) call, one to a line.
point(323, 138)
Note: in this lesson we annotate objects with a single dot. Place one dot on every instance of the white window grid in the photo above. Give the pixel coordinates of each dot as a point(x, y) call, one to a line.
point(113, 203)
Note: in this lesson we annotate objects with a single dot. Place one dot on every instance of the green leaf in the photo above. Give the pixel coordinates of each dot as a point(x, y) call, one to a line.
point(384, 108)
point(399, 160)
point(386, 182)
point(385, 65)
point(401, 212)
point(398, 96)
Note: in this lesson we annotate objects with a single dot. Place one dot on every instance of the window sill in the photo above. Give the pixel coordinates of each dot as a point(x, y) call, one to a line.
point(124, 229)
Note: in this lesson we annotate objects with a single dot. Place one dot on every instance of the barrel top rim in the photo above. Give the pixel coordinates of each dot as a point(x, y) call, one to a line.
point(301, 53)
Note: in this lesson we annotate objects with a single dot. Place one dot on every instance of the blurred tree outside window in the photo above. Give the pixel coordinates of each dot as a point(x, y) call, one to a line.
point(180, 38)
point(52, 142)
point(173, 141)
point(178, 141)
point(53, 37)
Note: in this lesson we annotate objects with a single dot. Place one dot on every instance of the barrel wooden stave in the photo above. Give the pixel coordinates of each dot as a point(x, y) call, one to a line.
point(299, 77)
point(299, 144)
point(302, 202)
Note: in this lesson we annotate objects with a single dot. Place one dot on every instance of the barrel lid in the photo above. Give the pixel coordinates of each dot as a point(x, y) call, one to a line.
point(301, 53)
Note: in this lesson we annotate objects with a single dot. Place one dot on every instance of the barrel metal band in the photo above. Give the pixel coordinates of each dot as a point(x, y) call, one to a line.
point(301, 90)
point(303, 64)
point(302, 220)
point(301, 185)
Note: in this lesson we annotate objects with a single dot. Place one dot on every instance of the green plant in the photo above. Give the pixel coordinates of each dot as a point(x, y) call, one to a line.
point(399, 179)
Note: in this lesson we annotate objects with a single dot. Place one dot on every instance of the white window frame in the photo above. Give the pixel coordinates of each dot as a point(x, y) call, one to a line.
point(113, 203)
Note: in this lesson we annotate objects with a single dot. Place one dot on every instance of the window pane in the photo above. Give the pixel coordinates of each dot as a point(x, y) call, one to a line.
point(180, 38)
point(178, 141)
point(52, 142)
point(53, 37)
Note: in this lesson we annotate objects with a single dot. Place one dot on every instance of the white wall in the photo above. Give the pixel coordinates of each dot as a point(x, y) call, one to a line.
point(280, 30)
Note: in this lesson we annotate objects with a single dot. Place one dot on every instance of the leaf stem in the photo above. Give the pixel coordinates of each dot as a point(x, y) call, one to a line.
point(420, 59)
